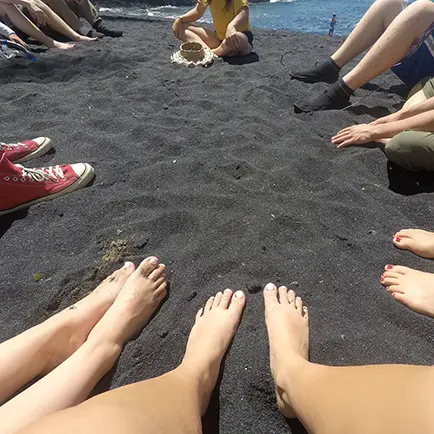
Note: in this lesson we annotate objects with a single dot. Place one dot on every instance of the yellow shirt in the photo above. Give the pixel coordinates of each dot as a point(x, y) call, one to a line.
point(222, 17)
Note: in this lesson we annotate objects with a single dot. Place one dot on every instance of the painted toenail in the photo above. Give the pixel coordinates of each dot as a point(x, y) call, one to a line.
point(239, 294)
point(153, 260)
point(227, 291)
point(127, 265)
point(269, 287)
point(397, 239)
point(298, 298)
point(389, 267)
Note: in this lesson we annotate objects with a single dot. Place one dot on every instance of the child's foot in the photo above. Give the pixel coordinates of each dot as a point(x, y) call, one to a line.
point(62, 45)
point(135, 304)
point(288, 333)
point(417, 241)
point(215, 326)
point(414, 289)
point(74, 324)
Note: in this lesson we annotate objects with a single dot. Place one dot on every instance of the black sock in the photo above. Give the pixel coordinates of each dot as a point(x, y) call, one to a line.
point(326, 71)
point(337, 67)
point(337, 96)
point(347, 89)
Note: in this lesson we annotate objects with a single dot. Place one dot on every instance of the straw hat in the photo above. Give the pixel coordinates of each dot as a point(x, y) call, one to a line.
point(193, 54)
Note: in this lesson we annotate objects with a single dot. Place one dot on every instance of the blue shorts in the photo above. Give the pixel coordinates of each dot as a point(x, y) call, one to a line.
point(419, 61)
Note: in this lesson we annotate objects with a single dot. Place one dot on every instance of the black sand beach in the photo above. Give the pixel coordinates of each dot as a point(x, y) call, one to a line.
point(212, 171)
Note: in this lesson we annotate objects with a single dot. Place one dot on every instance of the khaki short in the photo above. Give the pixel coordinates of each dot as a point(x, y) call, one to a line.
point(414, 150)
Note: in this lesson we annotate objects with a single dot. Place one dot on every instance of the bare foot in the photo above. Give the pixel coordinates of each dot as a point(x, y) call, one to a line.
point(288, 333)
point(135, 304)
point(74, 324)
point(417, 241)
point(414, 289)
point(82, 38)
point(215, 326)
point(63, 46)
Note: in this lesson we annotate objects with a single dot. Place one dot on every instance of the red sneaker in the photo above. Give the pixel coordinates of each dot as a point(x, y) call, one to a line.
point(23, 151)
point(21, 187)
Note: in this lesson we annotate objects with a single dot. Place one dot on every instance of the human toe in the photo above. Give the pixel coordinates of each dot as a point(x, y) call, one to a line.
point(157, 273)
point(226, 298)
point(270, 295)
point(147, 266)
point(238, 301)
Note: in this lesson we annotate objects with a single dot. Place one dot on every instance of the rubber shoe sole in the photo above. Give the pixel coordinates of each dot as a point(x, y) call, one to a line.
point(85, 174)
point(44, 146)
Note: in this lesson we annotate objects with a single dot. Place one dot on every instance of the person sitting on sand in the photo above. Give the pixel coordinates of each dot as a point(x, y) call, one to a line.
point(232, 36)
point(42, 16)
point(10, 34)
point(408, 134)
point(338, 400)
point(21, 187)
point(398, 39)
point(413, 288)
point(72, 10)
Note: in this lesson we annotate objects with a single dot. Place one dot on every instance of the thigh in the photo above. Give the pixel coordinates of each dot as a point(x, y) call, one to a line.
point(207, 36)
point(413, 150)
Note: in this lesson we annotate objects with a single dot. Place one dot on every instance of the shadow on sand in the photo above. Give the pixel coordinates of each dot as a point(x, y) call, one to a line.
point(242, 60)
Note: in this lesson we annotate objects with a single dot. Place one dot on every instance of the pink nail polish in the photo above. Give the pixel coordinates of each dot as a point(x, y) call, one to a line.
point(389, 267)
point(397, 239)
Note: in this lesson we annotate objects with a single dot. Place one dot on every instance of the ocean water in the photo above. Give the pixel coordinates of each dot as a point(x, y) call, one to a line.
point(312, 16)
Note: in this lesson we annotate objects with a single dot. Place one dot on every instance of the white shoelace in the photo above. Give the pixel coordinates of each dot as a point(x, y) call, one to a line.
point(52, 173)
point(13, 145)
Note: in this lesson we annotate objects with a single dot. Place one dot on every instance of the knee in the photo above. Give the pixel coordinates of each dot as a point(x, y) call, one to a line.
point(422, 7)
point(407, 150)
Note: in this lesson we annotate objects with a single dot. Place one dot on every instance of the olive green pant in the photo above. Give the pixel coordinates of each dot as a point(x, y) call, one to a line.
point(414, 150)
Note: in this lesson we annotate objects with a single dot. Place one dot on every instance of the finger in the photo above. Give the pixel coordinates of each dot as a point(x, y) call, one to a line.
point(345, 144)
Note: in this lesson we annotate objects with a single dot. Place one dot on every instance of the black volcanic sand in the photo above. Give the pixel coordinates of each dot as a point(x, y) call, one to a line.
point(211, 170)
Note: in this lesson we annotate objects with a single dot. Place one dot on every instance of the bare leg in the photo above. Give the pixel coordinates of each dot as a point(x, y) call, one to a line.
point(226, 50)
point(373, 399)
point(43, 347)
point(393, 45)
point(62, 9)
point(72, 381)
point(205, 37)
point(369, 29)
point(56, 23)
point(20, 21)
point(172, 403)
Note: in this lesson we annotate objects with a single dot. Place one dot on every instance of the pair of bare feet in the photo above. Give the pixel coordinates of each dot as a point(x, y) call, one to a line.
point(413, 288)
point(124, 302)
point(69, 45)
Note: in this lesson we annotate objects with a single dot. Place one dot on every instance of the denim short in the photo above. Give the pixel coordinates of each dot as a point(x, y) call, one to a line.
point(419, 61)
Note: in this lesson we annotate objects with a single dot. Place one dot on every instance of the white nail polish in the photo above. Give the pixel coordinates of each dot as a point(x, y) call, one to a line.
point(269, 287)
point(127, 265)
point(239, 294)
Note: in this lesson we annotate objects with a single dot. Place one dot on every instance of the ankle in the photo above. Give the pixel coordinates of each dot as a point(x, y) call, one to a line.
point(202, 381)
point(286, 372)
point(337, 61)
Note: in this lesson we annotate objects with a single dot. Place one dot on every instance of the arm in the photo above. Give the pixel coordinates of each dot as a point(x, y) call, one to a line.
point(194, 14)
point(241, 19)
point(407, 112)
point(420, 122)
point(366, 133)
point(5, 30)
point(191, 16)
